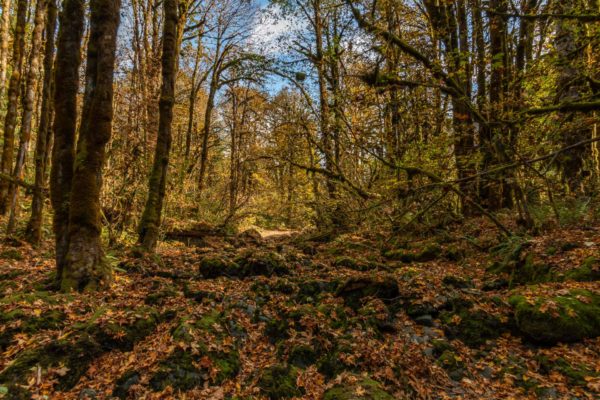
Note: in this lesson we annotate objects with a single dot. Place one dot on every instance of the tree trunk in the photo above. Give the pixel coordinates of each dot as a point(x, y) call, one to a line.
point(66, 77)
point(10, 121)
point(4, 38)
point(86, 267)
point(210, 105)
point(28, 102)
point(151, 218)
point(34, 227)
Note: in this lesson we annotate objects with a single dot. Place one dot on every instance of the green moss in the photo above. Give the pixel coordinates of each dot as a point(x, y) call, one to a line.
point(51, 319)
point(364, 389)
point(178, 371)
point(279, 382)
point(429, 253)
point(564, 318)
point(11, 254)
point(214, 267)
point(589, 271)
point(302, 356)
point(160, 296)
point(473, 328)
point(453, 364)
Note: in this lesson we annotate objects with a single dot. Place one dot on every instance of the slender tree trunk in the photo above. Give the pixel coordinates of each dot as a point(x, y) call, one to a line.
point(66, 78)
point(210, 105)
point(28, 102)
point(151, 218)
point(10, 122)
point(86, 267)
point(34, 227)
point(4, 38)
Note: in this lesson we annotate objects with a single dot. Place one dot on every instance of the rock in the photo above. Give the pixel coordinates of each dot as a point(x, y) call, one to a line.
point(495, 284)
point(124, 383)
point(453, 365)
point(362, 389)
point(87, 394)
point(302, 356)
point(589, 271)
point(355, 289)
point(429, 253)
point(425, 320)
point(457, 282)
point(567, 317)
point(279, 382)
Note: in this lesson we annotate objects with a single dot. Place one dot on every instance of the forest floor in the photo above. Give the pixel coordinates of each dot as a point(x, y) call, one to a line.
point(352, 317)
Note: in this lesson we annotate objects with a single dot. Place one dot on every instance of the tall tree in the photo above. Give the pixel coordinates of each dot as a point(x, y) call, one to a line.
point(10, 122)
point(4, 37)
point(68, 59)
point(86, 266)
point(28, 103)
point(151, 218)
point(43, 140)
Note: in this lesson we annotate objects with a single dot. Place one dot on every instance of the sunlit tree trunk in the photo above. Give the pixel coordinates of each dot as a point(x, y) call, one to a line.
point(68, 59)
point(4, 38)
point(86, 267)
point(34, 226)
point(10, 122)
point(28, 103)
point(151, 218)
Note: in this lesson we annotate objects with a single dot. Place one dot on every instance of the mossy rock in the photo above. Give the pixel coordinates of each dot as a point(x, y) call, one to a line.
point(76, 355)
point(160, 297)
point(79, 349)
point(568, 317)
point(262, 263)
point(589, 271)
point(302, 356)
point(472, 327)
point(354, 264)
point(124, 383)
point(214, 267)
point(428, 253)
point(277, 329)
point(363, 389)
point(356, 289)
point(279, 382)
point(51, 319)
point(453, 364)
point(457, 282)
point(575, 373)
point(313, 291)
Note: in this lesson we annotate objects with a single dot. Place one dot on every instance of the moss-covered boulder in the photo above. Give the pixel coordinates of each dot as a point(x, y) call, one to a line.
point(17, 321)
point(355, 264)
point(470, 325)
point(212, 267)
point(589, 271)
point(124, 383)
point(354, 290)
point(569, 316)
point(262, 263)
point(78, 349)
point(428, 253)
point(279, 382)
point(302, 356)
point(313, 290)
point(198, 362)
point(453, 364)
point(362, 389)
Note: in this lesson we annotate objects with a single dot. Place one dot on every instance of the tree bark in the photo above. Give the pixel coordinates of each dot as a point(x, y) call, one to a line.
point(151, 218)
point(68, 59)
point(34, 226)
point(10, 121)
point(28, 103)
point(87, 267)
point(4, 38)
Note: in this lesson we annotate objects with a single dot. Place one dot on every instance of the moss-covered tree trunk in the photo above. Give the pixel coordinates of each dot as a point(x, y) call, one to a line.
point(86, 266)
point(151, 218)
point(28, 103)
point(4, 38)
point(34, 226)
point(10, 122)
point(66, 77)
